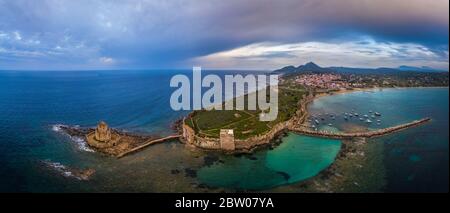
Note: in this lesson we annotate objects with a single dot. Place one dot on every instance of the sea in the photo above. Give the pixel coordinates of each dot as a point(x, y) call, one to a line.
point(36, 156)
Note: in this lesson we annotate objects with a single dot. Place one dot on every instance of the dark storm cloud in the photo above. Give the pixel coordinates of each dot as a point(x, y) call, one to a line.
point(91, 34)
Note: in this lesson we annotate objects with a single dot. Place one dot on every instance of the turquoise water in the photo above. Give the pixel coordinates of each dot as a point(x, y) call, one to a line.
point(296, 159)
point(31, 103)
point(417, 159)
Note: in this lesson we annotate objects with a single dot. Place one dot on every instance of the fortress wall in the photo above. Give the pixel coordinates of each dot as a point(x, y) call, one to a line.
point(254, 141)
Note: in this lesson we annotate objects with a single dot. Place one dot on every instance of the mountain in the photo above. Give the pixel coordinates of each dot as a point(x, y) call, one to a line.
point(284, 70)
point(314, 68)
point(419, 69)
point(308, 67)
point(381, 70)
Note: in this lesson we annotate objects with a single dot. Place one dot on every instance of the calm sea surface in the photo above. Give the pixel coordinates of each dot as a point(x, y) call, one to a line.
point(33, 150)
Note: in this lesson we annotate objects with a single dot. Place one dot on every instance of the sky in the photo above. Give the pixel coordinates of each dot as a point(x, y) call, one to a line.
point(217, 34)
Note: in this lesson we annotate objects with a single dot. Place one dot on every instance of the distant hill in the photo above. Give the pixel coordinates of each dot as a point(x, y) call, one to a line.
point(419, 69)
point(314, 68)
point(308, 67)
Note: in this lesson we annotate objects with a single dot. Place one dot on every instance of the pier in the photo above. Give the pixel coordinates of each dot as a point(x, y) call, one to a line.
point(148, 143)
point(369, 134)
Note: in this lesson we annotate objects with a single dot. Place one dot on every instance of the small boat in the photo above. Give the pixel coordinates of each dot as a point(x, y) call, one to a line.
point(377, 114)
point(373, 116)
point(330, 124)
point(366, 116)
point(361, 119)
point(316, 121)
point(313, 126)
point(378, 120)
point(345, 117)
point(368, 121)
point(370, 111)
point(356, 114)
point(322, 119)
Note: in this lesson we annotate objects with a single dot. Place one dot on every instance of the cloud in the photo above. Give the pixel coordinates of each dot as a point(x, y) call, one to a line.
point(106, 60)
point(152, 34)
point(360, 53)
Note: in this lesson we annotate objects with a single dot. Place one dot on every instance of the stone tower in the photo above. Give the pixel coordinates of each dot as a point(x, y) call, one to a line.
point(102, 132)
point(227, 139)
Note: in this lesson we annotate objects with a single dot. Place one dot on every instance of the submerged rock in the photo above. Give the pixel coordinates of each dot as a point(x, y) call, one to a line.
point(285, 175)
point(190, 172)
point(68, 172)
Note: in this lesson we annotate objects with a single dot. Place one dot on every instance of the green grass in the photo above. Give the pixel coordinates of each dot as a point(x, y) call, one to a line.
point(245, 123)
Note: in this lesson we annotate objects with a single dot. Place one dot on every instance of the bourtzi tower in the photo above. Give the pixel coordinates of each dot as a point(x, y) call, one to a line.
point(102, 136)
point(102, 132)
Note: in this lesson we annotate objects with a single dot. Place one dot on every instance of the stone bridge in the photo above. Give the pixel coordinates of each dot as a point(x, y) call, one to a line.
point(148, 143)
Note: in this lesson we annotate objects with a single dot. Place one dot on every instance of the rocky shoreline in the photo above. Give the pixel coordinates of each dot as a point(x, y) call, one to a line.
point(358, 167)
point(128, 141)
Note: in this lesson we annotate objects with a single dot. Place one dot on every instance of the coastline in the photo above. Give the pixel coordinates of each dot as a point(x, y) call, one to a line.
point(191, 138)
point(339, 176)
point(345, 173)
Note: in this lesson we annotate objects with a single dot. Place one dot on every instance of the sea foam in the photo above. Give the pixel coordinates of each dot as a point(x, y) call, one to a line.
point(80, 142)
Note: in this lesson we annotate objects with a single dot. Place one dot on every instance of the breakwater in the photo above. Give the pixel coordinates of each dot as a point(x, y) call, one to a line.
point(368, 134)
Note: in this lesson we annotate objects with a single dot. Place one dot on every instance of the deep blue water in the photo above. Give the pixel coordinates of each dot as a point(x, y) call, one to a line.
point(31, 103)
point(417, 159)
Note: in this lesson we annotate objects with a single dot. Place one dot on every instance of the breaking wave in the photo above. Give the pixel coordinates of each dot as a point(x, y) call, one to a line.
point(79, 142)
point(63, 170)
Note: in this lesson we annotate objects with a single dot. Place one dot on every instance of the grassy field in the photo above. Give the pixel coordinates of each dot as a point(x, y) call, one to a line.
point(245, 123)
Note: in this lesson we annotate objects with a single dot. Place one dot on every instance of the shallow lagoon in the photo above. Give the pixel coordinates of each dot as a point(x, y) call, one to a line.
point(296, 158)
point(32, 102)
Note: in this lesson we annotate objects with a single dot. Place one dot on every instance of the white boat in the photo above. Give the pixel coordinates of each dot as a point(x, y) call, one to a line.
point(361, 119)
point(377, 114)
point(368, 121)
point(356, 114)
point(330, 124)
point(317, 122)
point(366, 116)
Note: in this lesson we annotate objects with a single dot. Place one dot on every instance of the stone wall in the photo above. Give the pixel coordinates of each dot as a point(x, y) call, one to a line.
point(227, 140)
point(252, 142)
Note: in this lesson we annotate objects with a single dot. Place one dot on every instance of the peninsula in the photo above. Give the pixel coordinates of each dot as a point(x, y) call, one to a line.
point(241, 131)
